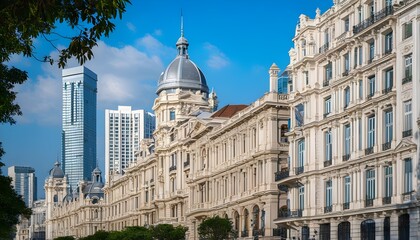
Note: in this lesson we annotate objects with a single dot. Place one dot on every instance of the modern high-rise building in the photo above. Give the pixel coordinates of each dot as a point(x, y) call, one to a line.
point(124, 129)
point(79, 123)
point(24, 183)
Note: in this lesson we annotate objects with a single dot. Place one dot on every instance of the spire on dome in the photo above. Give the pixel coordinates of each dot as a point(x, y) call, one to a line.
point(182, 43)
point(182, 24)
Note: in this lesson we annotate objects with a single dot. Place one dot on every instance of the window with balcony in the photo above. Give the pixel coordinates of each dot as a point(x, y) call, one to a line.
point(301, 157)
point(370, 135)
point(388, 185)
point(388, 42)
point(346, 24)
point(408, 119)
point(328, 196)
point(327, 106)
point(347, 192)
point(388, 81)
point(389, 125)
point(328, 148)
point(346, 97)
point(370, 187)
point(408, 69)
point(301, 198)
point(407, 29)
point(372, 86)
point(408, 175)
point(328, 74)
point(347, 142)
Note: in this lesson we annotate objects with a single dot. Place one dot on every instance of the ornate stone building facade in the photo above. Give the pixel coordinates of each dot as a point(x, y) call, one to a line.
point(353, 167)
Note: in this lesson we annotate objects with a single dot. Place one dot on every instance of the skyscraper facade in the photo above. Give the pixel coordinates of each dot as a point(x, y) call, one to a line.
point(79, 123)
point(24, 183)
point(124, 129)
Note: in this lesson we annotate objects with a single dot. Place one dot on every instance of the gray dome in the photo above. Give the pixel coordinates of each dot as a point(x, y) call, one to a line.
point(56, 171)
point(182, 72)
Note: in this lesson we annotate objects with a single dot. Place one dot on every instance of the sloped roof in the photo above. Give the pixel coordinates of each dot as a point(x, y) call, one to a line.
point(229, 110)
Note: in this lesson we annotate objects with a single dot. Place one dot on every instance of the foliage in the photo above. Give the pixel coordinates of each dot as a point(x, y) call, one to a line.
point(65, 238)
point(215, 228)
point(11, 206)
point(168, 232)
point(99, 235)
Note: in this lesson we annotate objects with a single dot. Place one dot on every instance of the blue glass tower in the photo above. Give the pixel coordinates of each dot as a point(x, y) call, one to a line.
point(79, 123)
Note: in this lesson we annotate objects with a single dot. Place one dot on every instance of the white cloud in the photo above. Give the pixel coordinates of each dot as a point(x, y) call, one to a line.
point(157, 32)
point(131, 27)
point(126, 76)
point(217, 59)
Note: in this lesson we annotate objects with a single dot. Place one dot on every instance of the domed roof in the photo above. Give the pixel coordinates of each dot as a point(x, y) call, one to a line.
point(56, 171)
point(182, 72)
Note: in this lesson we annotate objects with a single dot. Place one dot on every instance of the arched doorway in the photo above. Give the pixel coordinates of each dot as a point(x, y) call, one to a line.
point(245, 232)
point(255, 221)
point(344, 231)
point(367, 230)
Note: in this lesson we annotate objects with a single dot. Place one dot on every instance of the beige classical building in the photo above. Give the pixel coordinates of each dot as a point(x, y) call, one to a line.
point(354, 137)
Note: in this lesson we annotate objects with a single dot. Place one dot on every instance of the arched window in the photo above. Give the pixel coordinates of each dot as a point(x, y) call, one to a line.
point(245, 226)
point(404, 227)
point(367, 229)
point(344, 231)
point(236, 221)
point(255, 218)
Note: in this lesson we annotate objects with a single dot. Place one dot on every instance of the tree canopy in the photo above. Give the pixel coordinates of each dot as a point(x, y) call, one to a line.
point(21, 23)
point(215, 228)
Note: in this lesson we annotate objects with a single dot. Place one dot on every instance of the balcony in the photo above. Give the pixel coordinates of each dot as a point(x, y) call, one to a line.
point(370, 95)
point(172, 168)
point(368, 150)
point(326, 114)
point(244, 233)
point(257, 232)
point(345, 73)
point(326, 83)
point(387, 90)
point(280, 175)
point(299, 170)
point(388, 51)
point(386, 146)
point(346, 157)
point(373, 19)
point(283, 213)
point(346, 206)
point(368, 202)
point(327, 163)
point(186, 163)
point(386, 200)
point(327, 209)
point(324, 47)
point(296, 213)
point(407, 133)
point(407, 79)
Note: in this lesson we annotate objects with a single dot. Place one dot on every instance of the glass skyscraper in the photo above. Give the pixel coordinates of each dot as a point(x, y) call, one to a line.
point(79, 123)
point(24, 182)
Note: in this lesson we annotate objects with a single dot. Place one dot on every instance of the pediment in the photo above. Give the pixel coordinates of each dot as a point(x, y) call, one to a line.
point(405, 143)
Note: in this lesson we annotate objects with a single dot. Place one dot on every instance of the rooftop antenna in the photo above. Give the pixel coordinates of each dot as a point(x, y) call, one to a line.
point(182, 24)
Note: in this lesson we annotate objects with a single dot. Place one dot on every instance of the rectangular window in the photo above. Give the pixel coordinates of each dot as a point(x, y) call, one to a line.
point(370, 184)
point(299, 115)
point(328, 193)
point(388, 43)
point(328, 147)
point(371, 132)
point(301, 153)
point(388, 181)
point(407, 116)
point(346, 63)
point(301, 203)
point(360, 89)
point(328, 72)
point(360, 133)
point(346, 97)
point(408, 70)
point(388, 126)
point(306, 76)
point(408, 175)
point(171, 115)
point(347, 140)
point(372, 86)
point(355, 58)
point(360, 55)
point(327, 106)
point(347, 189)
point(407, 30)
point(346, 24)
point(389, 80)
point(371, 51)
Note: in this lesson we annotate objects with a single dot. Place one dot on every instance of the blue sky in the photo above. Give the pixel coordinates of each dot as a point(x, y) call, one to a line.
point(233, 42)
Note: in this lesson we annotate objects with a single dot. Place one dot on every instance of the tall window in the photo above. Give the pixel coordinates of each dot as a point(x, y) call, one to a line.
point(347, 191)
point(328, 71)
point(360, 89)
point(346, 24)
point(360, 133)
point(344, 231)
point(299, 115)
point(372, 86)
point(306, 76)
point(346, 97)
point(301, 203)
point(371, 50)
point(388, 184)
point(408, 175)
point(347, 141)
point(360, 55)
point(355, 57)
point(388, 42)
point(301, 154)
point(172, 115)
point(404, 227)
point(328, 196)
point(387, 228)
point(370, 187)
point(328, 147)
point(367, 230)
point(346, 63)
point(327, 106)
point(325, 231)
point(371, 132)
point(388, 126)
point(408, 69)
point(407, 29)
point(407, 119)
point(389, 80)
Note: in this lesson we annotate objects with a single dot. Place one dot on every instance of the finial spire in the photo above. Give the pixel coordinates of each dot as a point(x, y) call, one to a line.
point(182, 24)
